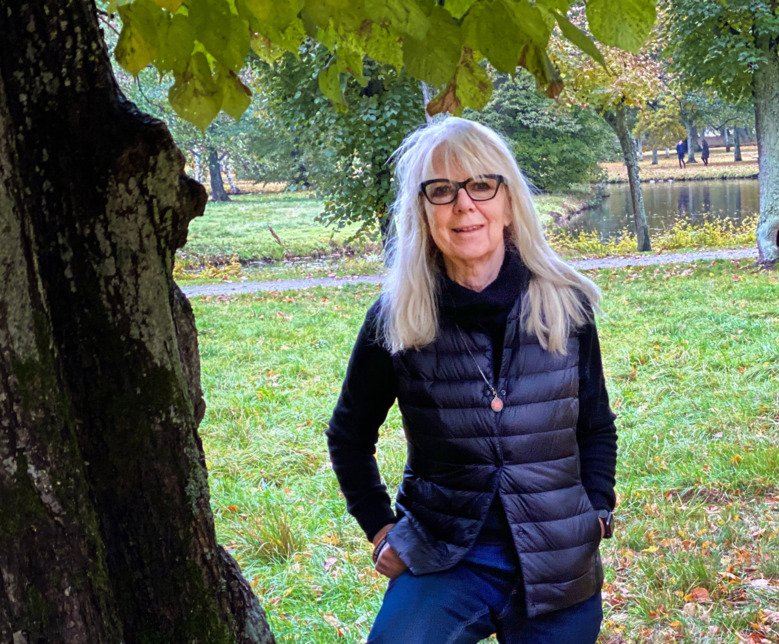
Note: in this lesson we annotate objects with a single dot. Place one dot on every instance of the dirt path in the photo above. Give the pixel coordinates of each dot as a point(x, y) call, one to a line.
point(237, 288)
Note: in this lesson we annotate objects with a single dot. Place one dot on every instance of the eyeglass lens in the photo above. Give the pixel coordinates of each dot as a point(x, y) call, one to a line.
point(478, 189)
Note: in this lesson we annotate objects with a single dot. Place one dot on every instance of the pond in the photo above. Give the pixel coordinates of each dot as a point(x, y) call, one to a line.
point(669, 201)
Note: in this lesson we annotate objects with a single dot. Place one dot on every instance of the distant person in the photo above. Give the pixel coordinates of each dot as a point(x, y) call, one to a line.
point(681, 151)
point(705, 152)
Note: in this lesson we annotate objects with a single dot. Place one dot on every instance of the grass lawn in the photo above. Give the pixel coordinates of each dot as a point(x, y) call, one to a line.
point(245, 227)
point(692, 361)
point(721, 166)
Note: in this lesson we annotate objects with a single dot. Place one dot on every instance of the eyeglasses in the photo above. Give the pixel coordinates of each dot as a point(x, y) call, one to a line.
point(440, 192)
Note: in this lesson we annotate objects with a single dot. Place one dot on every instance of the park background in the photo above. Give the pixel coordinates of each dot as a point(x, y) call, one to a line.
point(111, 529)
point(300, 189)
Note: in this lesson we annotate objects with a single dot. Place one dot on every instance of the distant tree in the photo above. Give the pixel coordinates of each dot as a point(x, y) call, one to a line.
point(557, 145)
point(346, 151)
point(733, 47)
point(617, 90)
point(661, 124)
point(260, 146)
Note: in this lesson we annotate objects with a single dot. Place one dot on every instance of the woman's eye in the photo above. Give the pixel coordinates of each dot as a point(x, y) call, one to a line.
point(442, 191)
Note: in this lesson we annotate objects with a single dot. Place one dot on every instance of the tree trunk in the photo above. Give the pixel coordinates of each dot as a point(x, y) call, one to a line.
point(667, 152)
point(106, 533)
point(617, 119)
point(640, 148)
point(197, 156)
point(765, 86)
point(726, 138)
point(655, 160)
point(737, 144)
point(231, 178)
point(692, 141)
point(218, 192)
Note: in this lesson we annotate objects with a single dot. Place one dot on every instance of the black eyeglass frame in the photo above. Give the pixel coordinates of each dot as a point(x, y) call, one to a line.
point(462, 184)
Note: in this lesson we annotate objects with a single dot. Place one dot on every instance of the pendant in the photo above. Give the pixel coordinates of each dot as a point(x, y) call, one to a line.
point(496, 405)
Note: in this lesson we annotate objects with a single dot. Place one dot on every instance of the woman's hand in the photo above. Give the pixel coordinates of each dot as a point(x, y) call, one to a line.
point(388, 563)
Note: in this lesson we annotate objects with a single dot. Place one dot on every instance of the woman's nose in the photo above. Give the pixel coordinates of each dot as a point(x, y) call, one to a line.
point(463, 200)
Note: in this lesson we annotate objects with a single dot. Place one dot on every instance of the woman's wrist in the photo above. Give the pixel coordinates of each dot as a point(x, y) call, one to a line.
point(381, 533)
point(379, 541)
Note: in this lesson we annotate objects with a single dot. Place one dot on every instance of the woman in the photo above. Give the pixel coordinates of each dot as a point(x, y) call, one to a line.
point(485, 338)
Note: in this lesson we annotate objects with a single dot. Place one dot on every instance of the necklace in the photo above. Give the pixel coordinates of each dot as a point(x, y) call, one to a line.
point(496, 404)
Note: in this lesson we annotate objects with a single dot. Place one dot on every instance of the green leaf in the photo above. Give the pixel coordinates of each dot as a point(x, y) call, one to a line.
point(196, 96)
point(471, 87)
point(434, 59)
point(330, 84)
point(536, 61)
point(534, 24)
point(170, 5)
point(277, 21)
point(579, 38)
point(474, 85)
point(138, 42)
point(490, 28)
point(236, 96)
point(406, 17)
point(224, 34)
point(557, 5)
point(351, 61)
point(384, 46)
point(621, 23)
point(458, 8)
point(176, 42)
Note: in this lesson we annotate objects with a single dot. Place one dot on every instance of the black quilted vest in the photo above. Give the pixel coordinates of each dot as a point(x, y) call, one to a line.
point(460, 452)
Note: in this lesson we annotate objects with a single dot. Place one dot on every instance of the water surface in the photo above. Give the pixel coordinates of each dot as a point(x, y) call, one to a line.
point(669, 201)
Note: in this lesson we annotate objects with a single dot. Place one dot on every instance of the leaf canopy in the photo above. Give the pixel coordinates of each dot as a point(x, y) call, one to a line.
point(204, 44)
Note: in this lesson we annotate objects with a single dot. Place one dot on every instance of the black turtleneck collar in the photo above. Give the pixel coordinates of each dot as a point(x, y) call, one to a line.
point(483, 308)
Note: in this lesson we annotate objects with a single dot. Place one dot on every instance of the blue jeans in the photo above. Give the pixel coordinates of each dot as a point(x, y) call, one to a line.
point(476, 598)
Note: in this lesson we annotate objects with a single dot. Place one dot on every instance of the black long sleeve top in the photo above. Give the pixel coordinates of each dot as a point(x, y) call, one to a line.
point(369, 390)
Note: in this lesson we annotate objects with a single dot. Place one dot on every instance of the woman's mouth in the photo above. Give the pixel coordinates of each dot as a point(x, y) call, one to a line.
point(468, 229)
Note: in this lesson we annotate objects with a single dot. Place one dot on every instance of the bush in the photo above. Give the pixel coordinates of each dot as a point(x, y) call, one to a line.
point(556, 145)
point(555, 162)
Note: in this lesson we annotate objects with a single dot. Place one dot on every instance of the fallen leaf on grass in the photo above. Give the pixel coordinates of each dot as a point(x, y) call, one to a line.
point(770, 616)
point(329, 563)
point(698, 595)
point(760, 583)
point(333, 621)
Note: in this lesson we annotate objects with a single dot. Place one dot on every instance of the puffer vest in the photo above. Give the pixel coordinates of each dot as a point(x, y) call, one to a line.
point(461, 452)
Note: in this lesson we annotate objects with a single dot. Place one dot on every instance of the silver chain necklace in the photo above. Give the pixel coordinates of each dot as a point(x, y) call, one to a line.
point(496, 404)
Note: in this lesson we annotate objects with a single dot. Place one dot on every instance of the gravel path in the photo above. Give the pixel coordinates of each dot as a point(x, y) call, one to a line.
point(237, 288)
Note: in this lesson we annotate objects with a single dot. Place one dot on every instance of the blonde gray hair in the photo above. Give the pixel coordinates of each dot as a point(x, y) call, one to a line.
point(558, 298)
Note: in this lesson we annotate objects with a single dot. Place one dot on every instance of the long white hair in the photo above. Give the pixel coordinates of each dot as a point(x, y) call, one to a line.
point(558, 298)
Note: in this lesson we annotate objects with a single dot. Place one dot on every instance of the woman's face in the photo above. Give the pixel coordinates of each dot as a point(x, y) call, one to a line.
point(468, 233)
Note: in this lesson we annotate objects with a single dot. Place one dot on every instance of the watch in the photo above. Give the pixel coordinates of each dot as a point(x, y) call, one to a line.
point(607, 518)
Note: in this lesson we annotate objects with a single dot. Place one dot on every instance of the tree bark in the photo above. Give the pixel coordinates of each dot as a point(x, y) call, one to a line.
point(726, 138)
point(617, 119)
point(737, 144)
point(106, 532)
point(197, 157)
point(218, 192)
point(692, 142)
point(765, 86)
point(231, 177)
